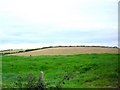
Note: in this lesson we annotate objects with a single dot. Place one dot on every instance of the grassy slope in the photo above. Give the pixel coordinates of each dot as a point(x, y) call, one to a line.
point(92, 70)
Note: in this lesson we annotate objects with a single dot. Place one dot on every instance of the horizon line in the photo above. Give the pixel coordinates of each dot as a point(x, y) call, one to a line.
point(104, 46)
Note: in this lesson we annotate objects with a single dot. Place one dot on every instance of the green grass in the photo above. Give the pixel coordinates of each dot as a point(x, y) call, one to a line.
point(91, 70)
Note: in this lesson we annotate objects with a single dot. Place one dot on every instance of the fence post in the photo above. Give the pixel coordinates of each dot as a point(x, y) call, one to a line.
point(41, 75)
point(41, 80)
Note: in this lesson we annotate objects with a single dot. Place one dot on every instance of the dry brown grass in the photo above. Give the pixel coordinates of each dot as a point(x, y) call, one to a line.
point(69, 51)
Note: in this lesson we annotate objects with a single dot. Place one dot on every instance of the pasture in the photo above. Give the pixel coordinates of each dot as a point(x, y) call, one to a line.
point(91, 70)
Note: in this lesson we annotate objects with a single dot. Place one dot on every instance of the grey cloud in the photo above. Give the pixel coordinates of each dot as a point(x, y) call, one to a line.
point(57, 36)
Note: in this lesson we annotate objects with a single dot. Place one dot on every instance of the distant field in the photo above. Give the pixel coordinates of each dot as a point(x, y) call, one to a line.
point(12, 51)
point(69, 51)
point(91, 70)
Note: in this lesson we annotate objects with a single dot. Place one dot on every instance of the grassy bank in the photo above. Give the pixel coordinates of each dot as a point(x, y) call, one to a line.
point(91, 70)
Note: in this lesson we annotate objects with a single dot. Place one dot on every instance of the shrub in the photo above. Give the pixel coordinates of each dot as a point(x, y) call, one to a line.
point(40, 84)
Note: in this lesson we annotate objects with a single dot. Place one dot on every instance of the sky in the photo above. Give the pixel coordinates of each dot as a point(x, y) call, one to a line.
point(39, 23)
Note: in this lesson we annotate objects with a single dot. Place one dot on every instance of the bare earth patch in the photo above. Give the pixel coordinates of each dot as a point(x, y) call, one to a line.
point(69, 51)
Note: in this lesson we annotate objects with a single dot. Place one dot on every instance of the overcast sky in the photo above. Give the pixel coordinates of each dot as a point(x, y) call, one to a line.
point(37, 23)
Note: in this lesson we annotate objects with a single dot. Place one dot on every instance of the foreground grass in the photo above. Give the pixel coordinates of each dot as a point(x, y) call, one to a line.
point(91, 70)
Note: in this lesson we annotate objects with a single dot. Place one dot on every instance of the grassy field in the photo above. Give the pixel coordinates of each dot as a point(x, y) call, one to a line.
point(91, 70)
